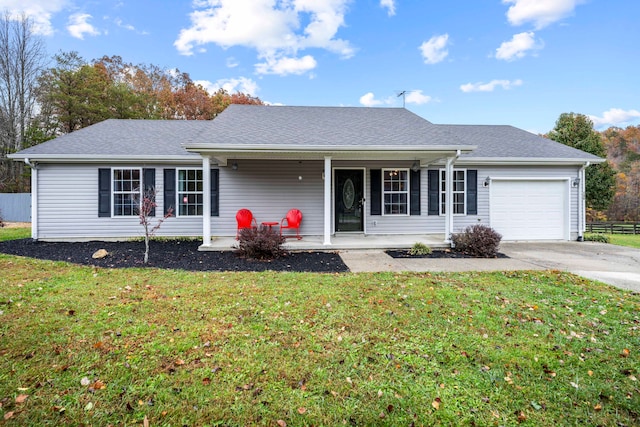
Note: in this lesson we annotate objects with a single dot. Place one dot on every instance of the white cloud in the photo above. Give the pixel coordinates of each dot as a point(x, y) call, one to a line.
point(240, 84)
point(390, 5)
point(416, 97)
point(39, 11)
point(285, 66)
point(369, 100)
point(518, 46)
point(489, 87)
point(434, 50)
point(232, 62)
point(615, 117)
point(539, 12)
point(79, 25)
point(276, 30)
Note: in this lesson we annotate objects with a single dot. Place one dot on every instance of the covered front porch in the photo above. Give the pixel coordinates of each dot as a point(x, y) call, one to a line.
point(346, 241)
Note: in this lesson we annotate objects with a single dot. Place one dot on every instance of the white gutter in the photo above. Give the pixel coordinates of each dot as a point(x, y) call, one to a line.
point(34, 198)
point(239, 148)
point(582, 203)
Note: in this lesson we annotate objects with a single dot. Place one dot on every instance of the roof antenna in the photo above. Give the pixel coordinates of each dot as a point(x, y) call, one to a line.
point(403, 95)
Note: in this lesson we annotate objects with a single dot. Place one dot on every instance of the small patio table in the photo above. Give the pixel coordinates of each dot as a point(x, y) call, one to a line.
point(270, 224)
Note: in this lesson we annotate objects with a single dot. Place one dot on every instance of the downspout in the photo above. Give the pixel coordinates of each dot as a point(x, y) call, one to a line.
point(582, 210)
point(448, 226)
point(34, 198)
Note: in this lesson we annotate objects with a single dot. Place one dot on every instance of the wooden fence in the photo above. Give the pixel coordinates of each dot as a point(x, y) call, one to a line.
point(614, 227)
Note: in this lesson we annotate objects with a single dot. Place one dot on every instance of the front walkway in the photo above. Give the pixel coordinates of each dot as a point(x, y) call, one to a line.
point(343, 241)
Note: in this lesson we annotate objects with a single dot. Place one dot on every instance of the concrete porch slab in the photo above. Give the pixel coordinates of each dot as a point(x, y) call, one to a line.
point(341, 242)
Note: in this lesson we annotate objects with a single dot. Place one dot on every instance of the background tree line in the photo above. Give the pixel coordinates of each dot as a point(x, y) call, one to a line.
point(42, 98)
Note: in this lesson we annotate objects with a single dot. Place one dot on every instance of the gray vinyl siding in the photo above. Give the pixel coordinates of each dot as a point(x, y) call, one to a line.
point(68, 199)
point(269, 188)
point(68, 206)
point(483, 217)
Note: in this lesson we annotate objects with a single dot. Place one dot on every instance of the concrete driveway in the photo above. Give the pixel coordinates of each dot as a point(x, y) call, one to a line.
point(615, 265)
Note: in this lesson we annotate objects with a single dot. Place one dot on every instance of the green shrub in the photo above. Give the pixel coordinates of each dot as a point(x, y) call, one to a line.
point(419, 249)
point(260, 243)
point(597, 237)
point(478, 241)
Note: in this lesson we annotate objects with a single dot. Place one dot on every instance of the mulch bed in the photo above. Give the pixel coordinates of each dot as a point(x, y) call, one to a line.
point(174, 254)
point(435, 254)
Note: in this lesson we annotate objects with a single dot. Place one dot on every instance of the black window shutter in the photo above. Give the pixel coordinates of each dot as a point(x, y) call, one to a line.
point(215, 192)
point(434, 188)
point(415, 193)
point(149, 182)
point(104, 192)
point(472, 192)
point(169, 190)
point(376, 191)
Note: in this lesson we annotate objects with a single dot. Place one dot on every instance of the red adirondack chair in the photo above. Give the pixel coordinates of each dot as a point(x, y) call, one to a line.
point(245, 219)
point(292, 220)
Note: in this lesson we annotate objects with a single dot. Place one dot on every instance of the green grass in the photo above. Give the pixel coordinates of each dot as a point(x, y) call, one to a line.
point(91, 346)
point(14, 233)
point(631, 240)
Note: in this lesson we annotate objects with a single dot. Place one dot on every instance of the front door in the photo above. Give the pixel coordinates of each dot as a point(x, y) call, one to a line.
point(349, 200)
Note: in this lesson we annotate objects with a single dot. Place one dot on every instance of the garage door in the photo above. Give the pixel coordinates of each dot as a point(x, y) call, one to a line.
point(529, 209)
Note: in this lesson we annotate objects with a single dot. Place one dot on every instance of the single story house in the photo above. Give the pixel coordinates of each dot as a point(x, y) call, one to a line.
point(382, 171)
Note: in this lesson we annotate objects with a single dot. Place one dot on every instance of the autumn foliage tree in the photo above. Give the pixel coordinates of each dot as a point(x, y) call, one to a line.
point(623, 151)
point(76, 94)
point(576, 130)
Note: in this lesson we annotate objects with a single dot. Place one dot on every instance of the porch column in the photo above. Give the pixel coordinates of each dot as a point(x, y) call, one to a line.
point(206, 201)
point(327, 201)
point(448, 213)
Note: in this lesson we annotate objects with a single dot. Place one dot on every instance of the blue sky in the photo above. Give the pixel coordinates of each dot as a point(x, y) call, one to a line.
point(517, 62)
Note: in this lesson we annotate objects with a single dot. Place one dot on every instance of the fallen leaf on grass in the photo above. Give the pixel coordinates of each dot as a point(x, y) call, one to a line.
point(281, 423)
point(436, 403)
point(302, 410)
point(522, 417)
point(597, 408)
point(574, 385)
point(21, 398)
point(206, 381)
point(625, 353)
point(145, 422)
point(98, 385)
point(8, 415)
point(89, 406)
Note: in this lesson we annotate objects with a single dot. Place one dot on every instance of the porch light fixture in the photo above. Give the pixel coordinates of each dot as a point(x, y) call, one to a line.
point(486, 182)
point(415, 166)
point(234, 166)
point(575, 182)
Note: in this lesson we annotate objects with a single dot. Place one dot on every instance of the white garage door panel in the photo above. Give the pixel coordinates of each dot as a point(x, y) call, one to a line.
point(529, 210)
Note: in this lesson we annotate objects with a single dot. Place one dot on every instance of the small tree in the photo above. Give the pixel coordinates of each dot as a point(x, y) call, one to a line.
point(146, 211)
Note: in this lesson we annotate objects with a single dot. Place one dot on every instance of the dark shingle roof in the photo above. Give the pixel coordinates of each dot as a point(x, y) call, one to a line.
point(511, 142)
point(326, 127)
point(125, 138)
point(243, 125)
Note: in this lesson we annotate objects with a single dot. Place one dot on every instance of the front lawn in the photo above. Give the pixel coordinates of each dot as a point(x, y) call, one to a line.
point(91, 346)
point(631, 240)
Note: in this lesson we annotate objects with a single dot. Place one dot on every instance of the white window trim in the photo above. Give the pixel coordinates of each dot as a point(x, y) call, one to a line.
point(397, 192)
point(442, 193)
point(114, 192)
point(178, 192)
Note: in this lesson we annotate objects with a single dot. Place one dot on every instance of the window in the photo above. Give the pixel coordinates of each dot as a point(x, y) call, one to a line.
point(127, 191)
point(458, 191)
point(190, 194)
point(395, 190)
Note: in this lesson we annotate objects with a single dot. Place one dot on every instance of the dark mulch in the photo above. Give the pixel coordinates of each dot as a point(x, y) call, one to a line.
point(173, 254)
point(436, 254)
